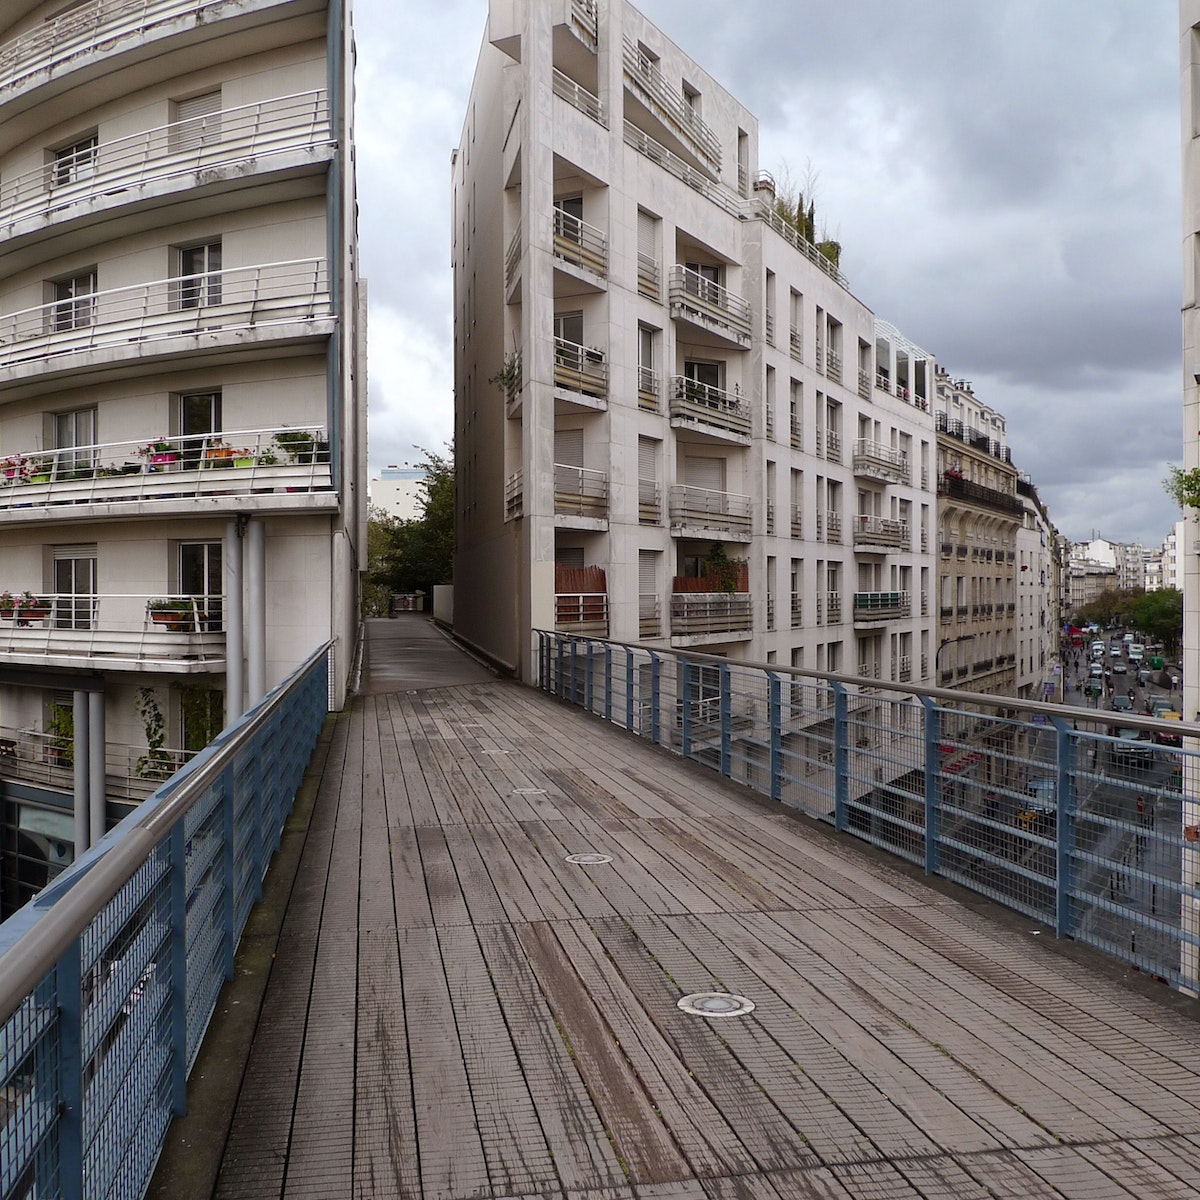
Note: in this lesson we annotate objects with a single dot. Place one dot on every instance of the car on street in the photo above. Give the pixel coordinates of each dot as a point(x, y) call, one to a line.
point(1132, 750)
point(1122, 704)
point(1162, 737)
point(1119, 668)
point(1144, 674)
point(1096, 671)
point(1115, 652)
point(1041, 803)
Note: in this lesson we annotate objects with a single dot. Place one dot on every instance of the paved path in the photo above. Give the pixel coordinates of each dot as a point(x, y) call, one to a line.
point(454, 1011)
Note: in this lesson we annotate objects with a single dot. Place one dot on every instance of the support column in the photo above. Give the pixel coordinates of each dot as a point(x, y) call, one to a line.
point(82, 745)
point(234, 622)
point(256, 618)
point(98, 788)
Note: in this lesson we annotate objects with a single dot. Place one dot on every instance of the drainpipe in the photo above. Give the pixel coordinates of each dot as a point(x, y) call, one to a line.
point(234, 621)
point(82, 775)
point(256, 594)
point(98, 791)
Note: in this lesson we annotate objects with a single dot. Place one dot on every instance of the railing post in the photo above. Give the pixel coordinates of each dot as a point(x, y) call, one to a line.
point(1064, 827)
point(607, 681)
point(841, 756)
point(685, 712)
point(726, 703)
point(69, 988)
point(655, 705)
point(558, 675)
point(775, 727)
point(228, 870)
point(588, 688)
point(178, 943)
point(933, 783)
point(629, 690)
point(574, 684)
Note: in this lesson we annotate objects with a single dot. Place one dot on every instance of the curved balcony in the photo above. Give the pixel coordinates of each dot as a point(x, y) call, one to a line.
point(702, 512)
point(273, 301)
point(55, 48)
point(696, 299)
point(874, 460)
point(114, 632)
point(281, 467)
point(710, 410)
point(283, 133)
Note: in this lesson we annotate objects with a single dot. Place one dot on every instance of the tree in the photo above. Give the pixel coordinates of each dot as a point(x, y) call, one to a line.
point(1160, 615)
point(413, 555)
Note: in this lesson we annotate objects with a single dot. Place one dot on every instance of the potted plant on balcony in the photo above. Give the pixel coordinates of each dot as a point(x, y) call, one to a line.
point(1183, 486)
point(176, 614)
point(219, 454)
point(60, 749)
point(28, 608)
point(159, 453)
point(15, 468)
point(38, 468)
point(299, 444)
point(156, 763)
point(8, 605)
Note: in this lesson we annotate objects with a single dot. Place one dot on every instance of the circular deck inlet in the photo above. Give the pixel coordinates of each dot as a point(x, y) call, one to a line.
point(589, 860)
point(716, 1004)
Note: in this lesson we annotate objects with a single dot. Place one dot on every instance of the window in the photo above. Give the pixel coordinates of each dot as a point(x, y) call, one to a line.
point(199, 416)
point(200, 576)
point(202, 715)
point(74, 587)
point(703, 280)
point(75, 301)
point(75, 440)
point(568, 218)
point(196, 122)
point(199, 275)
point(568, 327)
point(74, 162)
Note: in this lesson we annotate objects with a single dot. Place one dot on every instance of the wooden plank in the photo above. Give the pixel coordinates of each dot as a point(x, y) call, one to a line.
point(421, 808)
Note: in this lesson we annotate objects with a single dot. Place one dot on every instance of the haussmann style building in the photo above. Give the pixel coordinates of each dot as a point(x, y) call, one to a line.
point(182, 390)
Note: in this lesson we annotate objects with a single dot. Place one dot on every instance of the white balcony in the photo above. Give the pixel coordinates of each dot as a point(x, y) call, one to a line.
point(668, 105)
point(252, 138)
point(279, 467)
point(701, 614)
point(649, 390)
point(649, 615)
point(580, 495)
point(581, 612)
point(874, 460)
point(696, 299)
point(113, 632)
point(883, 532)
point(580, 244)
point(709, 410)
point(580, 373)
point(238, 306)
point(579, 97)
point(649, 502)
point(701, 512)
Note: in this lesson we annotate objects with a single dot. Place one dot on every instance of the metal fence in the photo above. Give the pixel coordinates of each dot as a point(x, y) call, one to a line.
point(108, 978)
point(1084, 820)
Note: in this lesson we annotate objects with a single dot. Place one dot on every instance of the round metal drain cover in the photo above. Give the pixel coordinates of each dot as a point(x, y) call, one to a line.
point(716, 1004)
point(589, 860)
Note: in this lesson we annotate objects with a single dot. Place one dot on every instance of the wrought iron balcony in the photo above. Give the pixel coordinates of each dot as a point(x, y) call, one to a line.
point(580, 492)
point(710, 409)
point(257, 299)
point(103, 175)
point(833, 445)
point(874, 460)
point(696, 299)
point(238, 462)
point(958, 488)
point(579, 243)
point(694, 509)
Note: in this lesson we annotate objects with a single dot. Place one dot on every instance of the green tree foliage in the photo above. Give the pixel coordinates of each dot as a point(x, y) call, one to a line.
point(1159, 614)
point(413, 555)
point(795, 204)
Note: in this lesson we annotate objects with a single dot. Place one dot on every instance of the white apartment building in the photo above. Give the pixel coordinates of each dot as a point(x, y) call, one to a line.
point(1165, 568)
point(399, 492)
point(182, 390)
point(1128, 560)
point(675, 423)
point(1037, 588)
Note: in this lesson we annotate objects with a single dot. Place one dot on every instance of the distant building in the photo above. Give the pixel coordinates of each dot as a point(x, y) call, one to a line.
point(399, 492)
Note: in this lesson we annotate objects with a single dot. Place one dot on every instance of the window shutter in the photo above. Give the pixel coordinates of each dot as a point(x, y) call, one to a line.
point(648, 460)
point(568, 447)
point(647, 573)
point(197, 122)
point(705, 473)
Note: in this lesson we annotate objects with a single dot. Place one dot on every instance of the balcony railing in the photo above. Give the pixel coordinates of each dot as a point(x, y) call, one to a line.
point(241, 298)
point(833, 607)
point(762, 207)
point(796, 343)
point(904, 668)
point(966, 489)
point(797, 519)
point(512, 259)
point(833, 445)
point(577, 242)
point(649, 502)
point(580, 98)
point(514, 496)
point(703, 508)
point(880, 531)
point(833, 527)
point(580, 492)
point(86, 27)
point(710, 612)
point(649, 276)
point(833, 365)
point(580, 369)
point(584, 23)
point(876, 460)
point(256, 132)
point(711, 408)
point(797, 609)
point(770, 612)
point(881, 606)
point(795, 432)
point(581, 612)
point(649, 390)
point(669, 105)
point(695, 298)
point(864, 384)
point(237, 462)
point(120, 630)
point(649, 615)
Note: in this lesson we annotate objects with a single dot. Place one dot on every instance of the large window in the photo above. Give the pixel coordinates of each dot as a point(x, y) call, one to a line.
point(200, 279)
point(75, 442)
point(200, 576)
point(74, 587)
point(75, 301)
point(199, 417)
point(74, 162)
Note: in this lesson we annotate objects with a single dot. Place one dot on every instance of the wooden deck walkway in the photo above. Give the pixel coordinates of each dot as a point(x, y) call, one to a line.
point(455, 1011)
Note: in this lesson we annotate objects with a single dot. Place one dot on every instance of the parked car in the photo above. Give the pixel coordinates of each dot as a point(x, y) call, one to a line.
point(1162, 737)
point(1132, 749)
point(1122, 704)
point(1096, 670)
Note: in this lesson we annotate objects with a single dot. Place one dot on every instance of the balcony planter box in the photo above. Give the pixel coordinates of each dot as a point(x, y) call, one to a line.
point(163, 459)
point(244, 461)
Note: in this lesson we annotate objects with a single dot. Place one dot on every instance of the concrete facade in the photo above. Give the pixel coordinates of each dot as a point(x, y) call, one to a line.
point(182, 387)
point(658, 379)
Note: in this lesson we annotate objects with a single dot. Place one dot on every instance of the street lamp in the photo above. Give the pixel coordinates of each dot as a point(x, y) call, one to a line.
point(962, 637)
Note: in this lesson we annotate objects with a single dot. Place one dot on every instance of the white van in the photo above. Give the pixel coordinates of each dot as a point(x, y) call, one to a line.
point(1136, 650)
point(1097, 649)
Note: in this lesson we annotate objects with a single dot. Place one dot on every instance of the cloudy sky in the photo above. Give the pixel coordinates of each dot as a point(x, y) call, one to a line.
point(1003, 178)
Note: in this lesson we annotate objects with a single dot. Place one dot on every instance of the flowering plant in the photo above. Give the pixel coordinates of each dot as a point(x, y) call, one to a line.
point(158, 446)
point(15, 468)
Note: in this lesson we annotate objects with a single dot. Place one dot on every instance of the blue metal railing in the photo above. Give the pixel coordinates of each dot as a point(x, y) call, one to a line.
point(109, 976)
point(1087, 821)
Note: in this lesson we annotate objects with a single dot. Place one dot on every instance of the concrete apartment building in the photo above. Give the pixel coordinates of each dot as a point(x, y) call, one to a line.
point(675, 423)
point(182, 390)
point(1038, 588)
point(979, 515)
